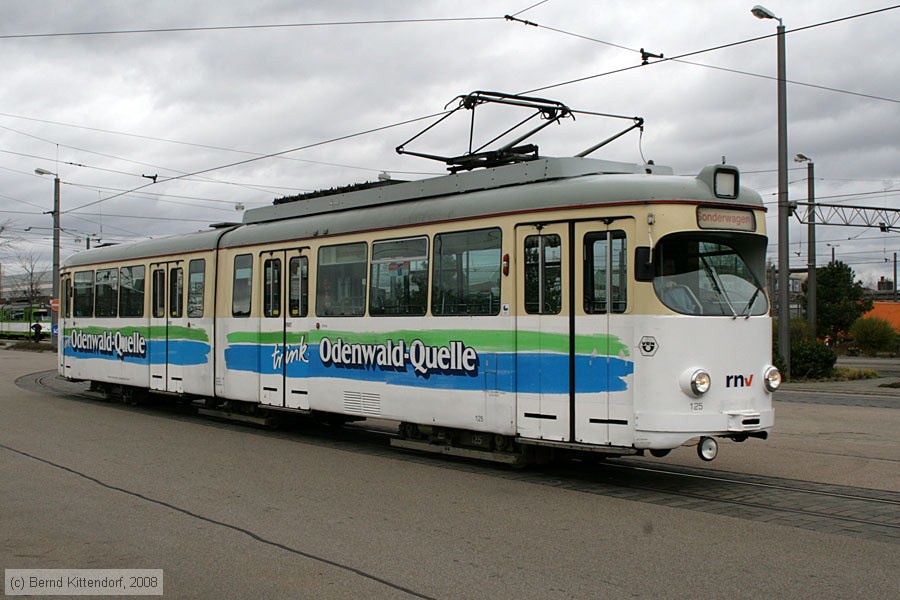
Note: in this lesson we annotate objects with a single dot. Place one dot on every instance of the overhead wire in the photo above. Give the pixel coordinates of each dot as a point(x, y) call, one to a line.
point(516, 14)
point(58, 145)
point(702, 51)
point(245, 27)
point(266, 156)
point(211, 147)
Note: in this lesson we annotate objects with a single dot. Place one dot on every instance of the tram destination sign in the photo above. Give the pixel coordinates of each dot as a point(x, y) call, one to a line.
point(725, 218)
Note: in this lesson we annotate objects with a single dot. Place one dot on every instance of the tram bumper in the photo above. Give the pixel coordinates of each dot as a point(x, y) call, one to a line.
point(744, 420)
point(666, 430)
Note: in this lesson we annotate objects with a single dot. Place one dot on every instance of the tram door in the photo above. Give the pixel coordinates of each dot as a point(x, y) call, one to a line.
point(64, 316)
point(167, 319)
point(572, 343)
point(284, 352)
point(543, 331)
point(602, 402)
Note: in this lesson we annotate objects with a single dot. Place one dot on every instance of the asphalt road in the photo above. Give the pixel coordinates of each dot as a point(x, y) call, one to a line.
point(236, 512)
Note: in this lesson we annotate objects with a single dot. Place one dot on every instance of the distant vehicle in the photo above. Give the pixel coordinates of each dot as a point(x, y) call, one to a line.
point(16, 320)
point(534, 306)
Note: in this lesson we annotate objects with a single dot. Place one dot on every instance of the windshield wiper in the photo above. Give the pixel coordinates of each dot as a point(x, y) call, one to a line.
point(750, 303)
point(759, 288)
point(717, 285)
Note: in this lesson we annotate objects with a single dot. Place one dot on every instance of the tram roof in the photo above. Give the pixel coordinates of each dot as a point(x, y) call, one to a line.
point(174, 244)
point(523, 173)
point(522, 187)
point(536, 185)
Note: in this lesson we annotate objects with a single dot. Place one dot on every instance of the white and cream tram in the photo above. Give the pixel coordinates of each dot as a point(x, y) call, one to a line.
point(556, 303)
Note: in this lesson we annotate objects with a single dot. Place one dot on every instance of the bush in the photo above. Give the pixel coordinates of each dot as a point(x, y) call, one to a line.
point(873, 335)
point(800, 330)
point(812, 360)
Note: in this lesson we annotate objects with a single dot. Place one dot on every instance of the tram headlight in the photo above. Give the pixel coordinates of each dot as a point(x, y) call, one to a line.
point(772, 379)
point(695, 382)
point(700, 382)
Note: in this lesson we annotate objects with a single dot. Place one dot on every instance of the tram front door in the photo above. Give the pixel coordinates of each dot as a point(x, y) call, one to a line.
point(572, 279)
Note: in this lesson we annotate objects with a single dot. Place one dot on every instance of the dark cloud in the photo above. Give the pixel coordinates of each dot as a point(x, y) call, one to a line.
point(227, 93)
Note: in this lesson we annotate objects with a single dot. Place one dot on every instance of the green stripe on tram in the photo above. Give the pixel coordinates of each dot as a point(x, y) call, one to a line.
point(484, 340)
point(151, 333)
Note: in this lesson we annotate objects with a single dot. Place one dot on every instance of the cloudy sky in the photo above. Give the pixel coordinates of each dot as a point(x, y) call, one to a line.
point(187, 88)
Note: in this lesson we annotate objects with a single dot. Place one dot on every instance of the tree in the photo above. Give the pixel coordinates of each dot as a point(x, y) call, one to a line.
point(5, 240)
point(840, 300)
point(31, 285)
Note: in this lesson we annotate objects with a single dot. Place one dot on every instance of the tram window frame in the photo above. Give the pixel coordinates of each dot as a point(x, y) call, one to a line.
point(272, 288)
point(65, 296)
point(455, 283)
point(176, 292)
point(399, 261)
point(298, 297)
point(83, 300)
point(131, 296)
point(702, 273)
point(615, 258)
point(341, 275)
point(545, 298)
point(196, 288)
point(242, 286)
point(106, 293)
point(158, 293)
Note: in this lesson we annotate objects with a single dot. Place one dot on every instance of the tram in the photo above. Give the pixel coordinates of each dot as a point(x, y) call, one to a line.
point(507, 312)
point(17, 319)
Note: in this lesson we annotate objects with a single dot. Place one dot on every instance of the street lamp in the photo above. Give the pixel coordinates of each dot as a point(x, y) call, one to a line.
point(54, 313)
point(811, 243)
point(784, 267)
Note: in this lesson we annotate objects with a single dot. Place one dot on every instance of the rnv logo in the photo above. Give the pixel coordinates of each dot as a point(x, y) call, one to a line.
point(738, 380)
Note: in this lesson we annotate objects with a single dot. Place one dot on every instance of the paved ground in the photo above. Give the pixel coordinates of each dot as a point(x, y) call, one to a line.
point(234, 512)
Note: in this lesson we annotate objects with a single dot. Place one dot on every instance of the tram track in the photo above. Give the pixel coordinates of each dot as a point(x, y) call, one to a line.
point(841, 510)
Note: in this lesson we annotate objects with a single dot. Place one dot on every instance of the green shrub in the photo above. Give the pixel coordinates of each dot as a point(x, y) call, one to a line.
point(872, 335)
point(811, 360)
point(800, 330)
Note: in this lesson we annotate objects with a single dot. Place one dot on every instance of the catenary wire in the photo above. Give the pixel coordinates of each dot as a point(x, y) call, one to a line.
point(706, 50)
point(246, 27)
point(272, 155)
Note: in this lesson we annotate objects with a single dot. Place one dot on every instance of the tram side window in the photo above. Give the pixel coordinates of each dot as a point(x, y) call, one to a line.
point(159, 294)
point(543, 274)
point(107, 291)
point(84, 294)
point(466, 278)
point(131, 291)
point(242, 285)
point(65, 297)
point(272, 287)
point(341, 281)
point(196, 287)
point(176, 292)
point(605, 266)
point(399, 277)
point(298, 296)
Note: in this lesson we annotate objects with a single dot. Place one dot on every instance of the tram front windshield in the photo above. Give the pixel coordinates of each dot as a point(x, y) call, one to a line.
point(715, 274)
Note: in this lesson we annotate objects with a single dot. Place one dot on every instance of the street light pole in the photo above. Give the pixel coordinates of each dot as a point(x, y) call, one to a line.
point(784, 267)
point(54, 313)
